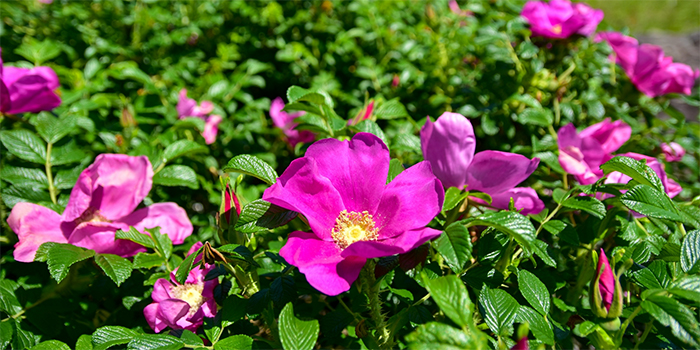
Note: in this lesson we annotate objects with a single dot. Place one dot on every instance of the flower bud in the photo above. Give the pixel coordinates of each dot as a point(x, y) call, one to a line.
point(230, 208)
point(606, 292)
point(521, 344)
point(673, 152)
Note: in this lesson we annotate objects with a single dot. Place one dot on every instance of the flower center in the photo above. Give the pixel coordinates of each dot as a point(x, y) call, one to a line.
point(91, 215)
point(351, 227)
point(556, 29)
point(191, 293)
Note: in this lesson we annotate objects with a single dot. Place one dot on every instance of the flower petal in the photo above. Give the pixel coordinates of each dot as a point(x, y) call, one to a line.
point(173, 310)
point(524, 198)
point(31, 90)
point(34, 225)
point(357, 169)
point(333, 279)
point(449, 145)
point(114, 184)
point(610, 135)
point(153, 318)
point(305, 249)
point(400, 244)
point(607, 280)
point(409, 202)
point(211, 128)
point(170, 217)
point(161, 290)
point(300, 188)
point(493, 171)
point(100, 237)
point(673, 152)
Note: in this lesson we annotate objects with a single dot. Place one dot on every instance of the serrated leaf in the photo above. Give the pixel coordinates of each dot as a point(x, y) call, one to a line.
point(52, 129)
point(534, 291)
point(650, 202)
point(296, 334)
point(115, 267)
point(7, 333)
point(177, 175)
point(162, 242)
point(51, 345)
point(372, 128)
point(260, 215)
point(13, 195)
point(636, 169)
point(686, 287)
point(67, 154)
point(439, 336)
point(22, 339)
point(671, 313)
point(233, 309)
point(62, 256)
point(182, 147)
point(536, 116)
point(191, 339)
point(565, 231)
point(253, 166)
point(452, 297)
point(690, 253)
point(38, 52)
point(24, 177)
point(391, 109)
point(296, 93)
point(190, 122)
point(25, 145)
point(135, 236)
point(453, 197)
point(66, 179)
point(240, 341)
point(395, 168)
point(499, 310)
point(147, 261)
point(539, 325)
point(185, 266)
point(587, 204)
point(455, 246)
point(107, 336)
point(155, 342)
point(8, 301)
point(514, 224)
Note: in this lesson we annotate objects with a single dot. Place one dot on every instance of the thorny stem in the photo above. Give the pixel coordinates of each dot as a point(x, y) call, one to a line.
point(52, 188)
point(371, 287)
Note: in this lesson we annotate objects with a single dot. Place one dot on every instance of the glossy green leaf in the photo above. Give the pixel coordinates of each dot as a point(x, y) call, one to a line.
point(671, 313)
point(177, 175)
point(587, 204)
point(395, 168)
point(135, 236)
point(636, 169)
point(296, 334)
point(253, 166)
point(107, 336)
point(650, 202)
point(514, 224)
point(185, 266)
point(690, 252)
point(452, 297)
point(62, 256)
point(534, 291)
point(155, 342)
point(181, 148)
point(455, 246)
point(25, 145)
point(51, 345)
point(115, 267)
point(499, 310)
point(539, 325)
point(25, 177)
point(260, 215)
point(241, 341)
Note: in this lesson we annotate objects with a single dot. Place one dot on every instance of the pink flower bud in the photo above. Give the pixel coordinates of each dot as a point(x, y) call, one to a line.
point(231, 201)
point(673, 152)
point(607, 280)
point(521, 344)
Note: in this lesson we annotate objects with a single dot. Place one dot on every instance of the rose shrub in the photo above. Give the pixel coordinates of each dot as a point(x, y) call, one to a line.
point(356, 174)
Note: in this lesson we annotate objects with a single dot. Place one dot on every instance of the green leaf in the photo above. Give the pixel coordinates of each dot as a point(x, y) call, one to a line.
point(260, 215)
point(191, 339)
point(25, 145)
point(6, 334)
point(155, 342)
point(536, 116)
point(296, 94)
point(499, 310)
point(234, 309)
point(185, 266)
point(14, 195)
point(67, 154)
point(372, 128)
point(452, 297)
point(182, 147)
point(539, 325)
point(439, 336)
point(253, 166)
point(514, 224)
point(453, 197)
point(135, 236)
point(455, 245)
point(650, 202)
point(395, 168)
point(190, 122)
point(25, 177)
point(84, 342)
point(238, 342)
point(38, 52)
point(534, 291)
point(66, 179)
point(690, 253)
point(147, 261)
point(391, 109)
point(62, 256)
point(115, 267)
point(177, 175)
point(294, 333)
point(8, 301)
point(51, 345)
point(53, 129)
point(587, 204)
point(22, 339)
point(539, 248)
point(671, 313)
point(636, 169)
point(107, 336)
point(163, 244)
point(686, 287)
point(565, 231)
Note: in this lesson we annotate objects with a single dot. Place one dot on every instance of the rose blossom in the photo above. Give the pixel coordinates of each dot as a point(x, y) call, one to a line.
point(183, 306)
point(354, 215)
point(27, 90)
point(102, 202)
point(285, 121)
point(673, 152)
point(449, 145)
point(560, 18)
point(187, 107)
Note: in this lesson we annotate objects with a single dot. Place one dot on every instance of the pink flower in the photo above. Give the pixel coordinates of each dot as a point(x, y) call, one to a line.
point(560, 19)
point(182, 306)
point(187, 107)
point(285, 121)
point(673, 152)
point(340, 187)
point(521, 344)
point(671, 187)
point(449, 145)
point(102, 202)
point(653, 73)
point(27, 90)
point(581, 154)
point(607, 280)
point(454, 7)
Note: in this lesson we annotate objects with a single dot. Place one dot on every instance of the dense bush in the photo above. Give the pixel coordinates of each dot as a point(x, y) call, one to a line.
point(189, 232)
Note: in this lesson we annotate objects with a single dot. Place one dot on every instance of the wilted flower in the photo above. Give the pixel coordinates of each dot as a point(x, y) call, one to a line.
point(653, 73)
point(606, 293)
point(102, 202)
point(285, 121)
point(449, 144)
point(581, 154)
point(560, 18)
point(671, 187)
point(673, 152)
point(340, 187)
point(27, 90)
point(187, 107)
point(182, 306)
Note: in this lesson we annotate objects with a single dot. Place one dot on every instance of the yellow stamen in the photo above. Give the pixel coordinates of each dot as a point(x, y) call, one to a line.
point(557, 29)
point(190, 293)
point(351, 227)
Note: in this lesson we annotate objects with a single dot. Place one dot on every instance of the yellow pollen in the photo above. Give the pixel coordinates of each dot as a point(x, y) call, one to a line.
point(557, 29)
point(190, 293)
point(91, 215)
point(351, 227)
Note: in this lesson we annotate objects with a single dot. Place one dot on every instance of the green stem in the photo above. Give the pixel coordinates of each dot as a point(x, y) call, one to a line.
point(52, 188)
point(371, 287)
point(623, 328)
point(647, 328)
point(549, 217)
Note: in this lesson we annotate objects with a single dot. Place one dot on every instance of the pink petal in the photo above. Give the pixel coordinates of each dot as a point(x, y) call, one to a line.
point(185, 106)
point(400, 244)
point(521, 344)
point(34, 225)
point(114, 184)
point(100, 237)
point(154, 320)
point(409, 202)
point(494, 171)
point(335, 278)
point(161, 290)
point(279, 118)
point(590, 17)
point(31, 90)
point(624, 47)
point(211, 128)
point(610, 135)
point(285, 122)
point(607, 280)
point(357, 169)
point(5, 103)
point(449, 144)
point(524, 198)
point(302, 189)
point(673, 152)
point(170, 217)
point(173, 310)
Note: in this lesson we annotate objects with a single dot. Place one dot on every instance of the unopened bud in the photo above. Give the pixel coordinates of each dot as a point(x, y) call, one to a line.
point(606, 292)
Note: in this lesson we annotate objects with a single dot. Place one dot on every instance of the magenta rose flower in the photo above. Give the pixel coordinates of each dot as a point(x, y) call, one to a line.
point(354, 215)
point(653, 73)
point(521, 344)
point(581, 154)
point(560, 19)
point(25, 90)
point(187, 107)
point(103, 201)
point(673, 152)
point(449, 145)
point(285, 121)
point(182, 306)
point(671, 187)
